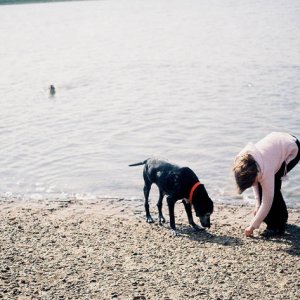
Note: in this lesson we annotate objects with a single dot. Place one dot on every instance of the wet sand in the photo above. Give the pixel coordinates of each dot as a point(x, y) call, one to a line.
point(104, 249)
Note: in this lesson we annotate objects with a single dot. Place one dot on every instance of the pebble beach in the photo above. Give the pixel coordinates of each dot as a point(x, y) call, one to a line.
point(104, 249)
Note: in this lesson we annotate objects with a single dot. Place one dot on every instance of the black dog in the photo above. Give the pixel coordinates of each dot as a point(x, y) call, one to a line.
point(177, 183)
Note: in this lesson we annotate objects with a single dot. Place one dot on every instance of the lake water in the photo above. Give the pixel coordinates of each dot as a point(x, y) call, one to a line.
point(189, 81)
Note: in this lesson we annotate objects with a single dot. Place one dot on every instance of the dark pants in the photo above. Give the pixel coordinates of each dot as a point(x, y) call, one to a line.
point(278, 214)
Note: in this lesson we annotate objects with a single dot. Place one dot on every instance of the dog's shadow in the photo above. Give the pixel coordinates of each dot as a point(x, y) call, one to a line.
point(291, 237)
point(203, 236)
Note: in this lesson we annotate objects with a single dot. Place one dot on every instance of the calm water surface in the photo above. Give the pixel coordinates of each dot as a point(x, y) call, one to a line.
point(188, 81)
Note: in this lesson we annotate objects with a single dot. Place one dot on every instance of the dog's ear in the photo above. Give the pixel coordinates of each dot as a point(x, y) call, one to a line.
point(201, 200)
point(202, 193)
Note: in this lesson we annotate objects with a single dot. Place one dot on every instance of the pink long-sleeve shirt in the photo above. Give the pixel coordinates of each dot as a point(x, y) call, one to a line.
point(269, 154)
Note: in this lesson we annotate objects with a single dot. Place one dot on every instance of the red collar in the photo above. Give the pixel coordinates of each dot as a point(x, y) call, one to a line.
point(193, 190)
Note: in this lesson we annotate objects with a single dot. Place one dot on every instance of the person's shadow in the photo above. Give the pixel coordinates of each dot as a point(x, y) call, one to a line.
point(292, 237)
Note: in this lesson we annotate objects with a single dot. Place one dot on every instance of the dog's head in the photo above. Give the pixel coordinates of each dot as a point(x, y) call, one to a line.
point(203, 205)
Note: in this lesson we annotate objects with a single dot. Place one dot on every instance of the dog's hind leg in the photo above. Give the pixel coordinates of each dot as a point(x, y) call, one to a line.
point(188, 209)
point(161, 218)
point(147, 188)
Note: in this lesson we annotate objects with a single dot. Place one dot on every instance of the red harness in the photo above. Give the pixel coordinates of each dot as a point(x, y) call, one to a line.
point(193, 190)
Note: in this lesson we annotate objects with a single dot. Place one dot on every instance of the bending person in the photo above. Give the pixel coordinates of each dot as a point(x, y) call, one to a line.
point(263, 166)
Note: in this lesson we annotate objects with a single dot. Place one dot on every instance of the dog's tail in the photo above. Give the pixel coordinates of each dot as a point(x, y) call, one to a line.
point(138, 164)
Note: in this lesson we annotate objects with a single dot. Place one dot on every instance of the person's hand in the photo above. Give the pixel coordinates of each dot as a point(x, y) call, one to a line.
point(249, 231)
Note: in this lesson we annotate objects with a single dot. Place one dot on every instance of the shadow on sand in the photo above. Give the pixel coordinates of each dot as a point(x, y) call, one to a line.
point(292, 238)
point(203, 236)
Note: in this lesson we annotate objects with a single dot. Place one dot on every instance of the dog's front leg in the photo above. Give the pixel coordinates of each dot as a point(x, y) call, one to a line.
point(171, 205)
point(161, 218)
point(188, 209)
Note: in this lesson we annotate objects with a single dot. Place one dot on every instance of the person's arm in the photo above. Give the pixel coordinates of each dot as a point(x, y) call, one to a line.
point(267, 200)
point(256, 197)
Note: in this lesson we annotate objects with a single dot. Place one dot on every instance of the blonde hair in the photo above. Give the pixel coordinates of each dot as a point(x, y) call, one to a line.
point(245, 171)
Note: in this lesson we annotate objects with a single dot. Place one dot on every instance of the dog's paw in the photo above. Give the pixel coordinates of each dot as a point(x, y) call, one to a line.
point(161, 220)
point(173, 232)
point(149, 220)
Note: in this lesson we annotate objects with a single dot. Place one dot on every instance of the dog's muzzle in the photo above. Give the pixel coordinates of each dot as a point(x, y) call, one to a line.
point(205, 220)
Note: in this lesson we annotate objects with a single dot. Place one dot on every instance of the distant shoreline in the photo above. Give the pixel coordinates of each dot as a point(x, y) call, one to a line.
point(11, 2)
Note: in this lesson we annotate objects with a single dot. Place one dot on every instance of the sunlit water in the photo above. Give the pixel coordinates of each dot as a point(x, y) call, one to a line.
point(188, 81)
